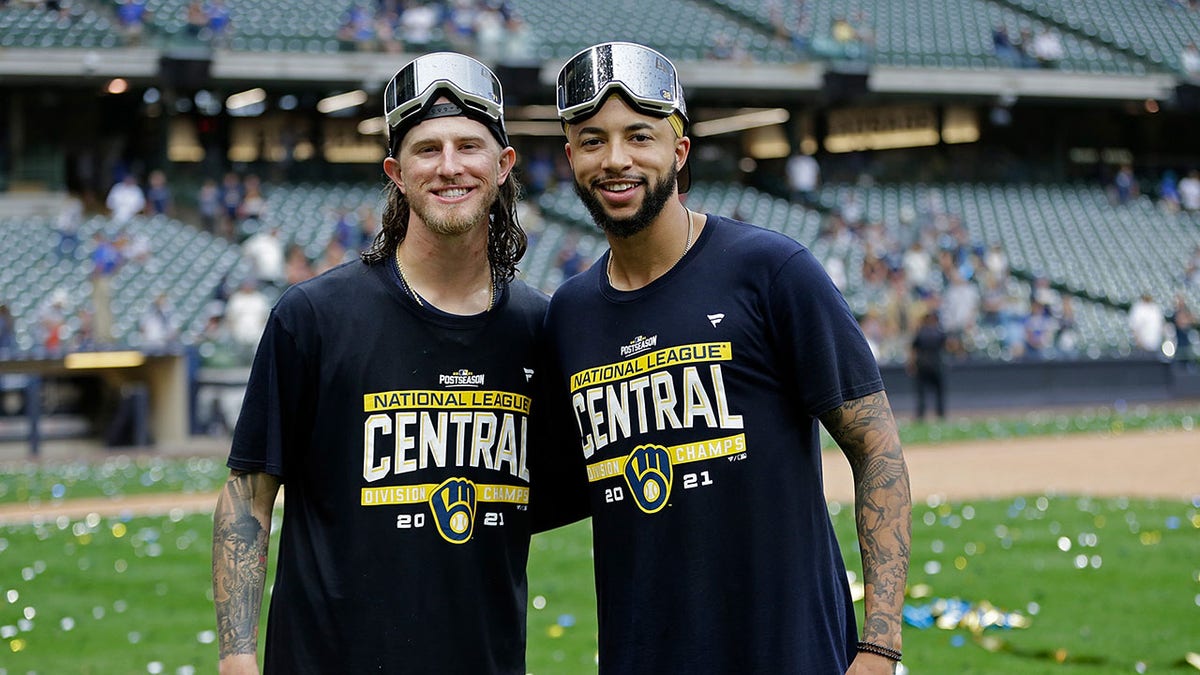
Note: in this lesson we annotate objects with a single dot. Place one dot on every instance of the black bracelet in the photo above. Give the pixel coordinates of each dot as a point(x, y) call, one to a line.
point(879, 650)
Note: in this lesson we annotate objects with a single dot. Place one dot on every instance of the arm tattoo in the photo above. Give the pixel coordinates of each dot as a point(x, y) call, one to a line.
point(241, 536)
point(866, 432)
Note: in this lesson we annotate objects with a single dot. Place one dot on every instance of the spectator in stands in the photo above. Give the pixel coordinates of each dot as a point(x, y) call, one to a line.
point(265, 251)
point(83, 337)
point(334, 254)
point(1045, 294)
point(208, 203)
point(220, 22)
point(489, 34)
point(1125, 185)
point(570, 260)
point(231, 203)
point(387, 29)
point(195, 20)
point(1189, 191)
point(52, 320)
point(246, 313)
point(458, 25)
point(1189, 62)
point(1168, 192)
point(725, 48)
point(1025, 44)
point(520, 44)
point(298, 268)
point(996, 262)
point(918, 266)
point(1067, 341)
point(1041, 332)
point(959, 312)
point(1191, 270)
point(358, 28)
point(1146, 323)
point(157, 327)
point(106, 262)
point(1004, 49)
point(926, 364)
point(417, 23)
point(131, 20)
point(8, 330)
point(804, 177)
point(158, 194)
point(346, 230)
point(1183, 321)
point(67, 226)
point(1048, 48)
point(125, 199)
point(136, 247)
point(253, 204)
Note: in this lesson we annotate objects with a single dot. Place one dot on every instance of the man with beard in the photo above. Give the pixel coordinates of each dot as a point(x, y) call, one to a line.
point(392, 397)
point(692, 365)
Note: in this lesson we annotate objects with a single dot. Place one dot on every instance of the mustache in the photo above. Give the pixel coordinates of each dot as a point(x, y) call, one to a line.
point(617, 177)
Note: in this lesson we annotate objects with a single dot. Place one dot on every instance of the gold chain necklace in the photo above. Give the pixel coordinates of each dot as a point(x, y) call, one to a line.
point(413, 292)
point(687, 246)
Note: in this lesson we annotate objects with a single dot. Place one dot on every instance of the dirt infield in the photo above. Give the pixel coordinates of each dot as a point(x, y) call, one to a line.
point(1163, 464)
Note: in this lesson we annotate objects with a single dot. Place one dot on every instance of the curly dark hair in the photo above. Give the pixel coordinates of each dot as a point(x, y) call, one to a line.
point(506, 239)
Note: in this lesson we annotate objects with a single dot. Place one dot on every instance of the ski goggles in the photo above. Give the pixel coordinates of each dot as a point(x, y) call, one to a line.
point(409, 97)
point(644, 77)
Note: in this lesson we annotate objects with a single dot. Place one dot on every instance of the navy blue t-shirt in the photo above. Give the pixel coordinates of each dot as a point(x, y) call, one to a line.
point(694, 402)
point(400, 434)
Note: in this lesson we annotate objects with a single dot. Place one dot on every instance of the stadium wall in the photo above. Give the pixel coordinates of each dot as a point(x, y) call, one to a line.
point(979, 386)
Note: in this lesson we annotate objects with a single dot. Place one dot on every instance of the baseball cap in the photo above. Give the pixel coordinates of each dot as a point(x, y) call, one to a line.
point(473, 89)
point(645, 78)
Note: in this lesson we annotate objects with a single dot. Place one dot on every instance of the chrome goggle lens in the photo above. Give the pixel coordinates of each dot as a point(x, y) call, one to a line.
point(416, 83)
point(645, 77)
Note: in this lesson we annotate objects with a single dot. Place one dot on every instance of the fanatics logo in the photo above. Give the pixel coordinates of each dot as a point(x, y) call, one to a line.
point(461, 378)
point(528, 374)
point(715, 319)
point(639, 344)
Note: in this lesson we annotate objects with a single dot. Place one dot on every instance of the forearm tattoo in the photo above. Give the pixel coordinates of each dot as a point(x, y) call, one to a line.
point(866, 432)
point(240, 542)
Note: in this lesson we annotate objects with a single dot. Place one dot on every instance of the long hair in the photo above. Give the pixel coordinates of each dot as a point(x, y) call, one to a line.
point(506, 239)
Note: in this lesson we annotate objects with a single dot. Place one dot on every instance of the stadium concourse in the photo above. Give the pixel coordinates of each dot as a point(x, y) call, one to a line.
point(1132, 464)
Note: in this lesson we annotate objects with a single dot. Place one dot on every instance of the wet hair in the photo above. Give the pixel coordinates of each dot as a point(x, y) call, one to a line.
point(506, 239)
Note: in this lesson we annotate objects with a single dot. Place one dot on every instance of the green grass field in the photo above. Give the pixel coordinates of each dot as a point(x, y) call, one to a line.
point(1107, 585)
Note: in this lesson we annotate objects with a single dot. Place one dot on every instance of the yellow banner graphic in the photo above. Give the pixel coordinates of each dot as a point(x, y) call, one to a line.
point(436, 399)
point(697, 451)
point(655, 360)
point(419, 494)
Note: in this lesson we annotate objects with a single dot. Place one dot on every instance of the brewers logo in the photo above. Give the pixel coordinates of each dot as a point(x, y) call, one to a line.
point(674, 388)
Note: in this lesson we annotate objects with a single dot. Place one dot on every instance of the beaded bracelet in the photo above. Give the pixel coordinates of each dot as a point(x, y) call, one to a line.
point(879, 650)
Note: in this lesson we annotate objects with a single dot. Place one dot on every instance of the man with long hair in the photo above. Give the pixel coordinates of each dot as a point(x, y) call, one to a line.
point(392, 397)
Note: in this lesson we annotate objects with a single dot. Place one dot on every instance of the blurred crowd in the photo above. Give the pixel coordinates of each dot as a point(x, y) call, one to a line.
point(489, 29)
point(929, 263)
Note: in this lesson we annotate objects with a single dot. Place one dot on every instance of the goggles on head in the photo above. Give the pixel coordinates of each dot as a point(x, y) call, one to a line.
point(410, 95)
point(644, 77)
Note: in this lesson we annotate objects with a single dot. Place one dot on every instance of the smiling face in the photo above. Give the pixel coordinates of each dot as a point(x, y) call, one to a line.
point(625, 166)
point(450, 170)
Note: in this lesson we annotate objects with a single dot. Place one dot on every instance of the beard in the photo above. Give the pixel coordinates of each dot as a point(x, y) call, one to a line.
point(458, 219)
point(623, 228)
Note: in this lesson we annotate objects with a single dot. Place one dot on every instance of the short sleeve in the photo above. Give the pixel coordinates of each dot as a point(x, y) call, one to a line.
point(823, 352)
point(276, 410)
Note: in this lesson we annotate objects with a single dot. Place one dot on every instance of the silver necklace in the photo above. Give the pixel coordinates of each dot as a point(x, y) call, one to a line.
point(413, 292)
point(687, 246)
